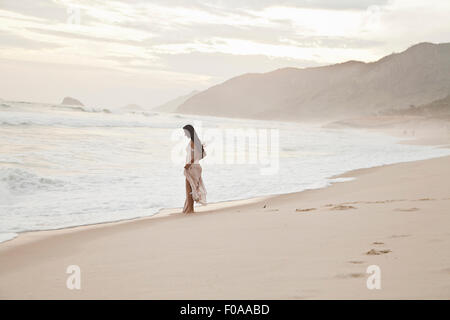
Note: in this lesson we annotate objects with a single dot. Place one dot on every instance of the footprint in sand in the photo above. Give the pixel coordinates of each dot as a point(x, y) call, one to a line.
point(356, 262)
point(270, 210)
point(351, 275)
point(407, 209)
point(400, 236)
point(305, 210)
point(342, 207)
point(373, 252)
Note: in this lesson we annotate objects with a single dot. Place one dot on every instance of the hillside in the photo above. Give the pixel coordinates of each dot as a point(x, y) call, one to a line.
point(417, 76)
point(172, 105)
point(436, 108)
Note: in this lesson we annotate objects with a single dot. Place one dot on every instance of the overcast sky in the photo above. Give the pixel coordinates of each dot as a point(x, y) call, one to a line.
point(112, 53)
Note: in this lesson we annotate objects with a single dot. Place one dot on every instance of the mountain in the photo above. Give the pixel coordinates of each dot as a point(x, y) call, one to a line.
point(418, 75)
point(71, 101)
point(172, 105)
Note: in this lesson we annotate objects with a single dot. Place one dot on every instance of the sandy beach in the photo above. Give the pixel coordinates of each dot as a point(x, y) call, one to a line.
point(315, 244)
point(317, 133)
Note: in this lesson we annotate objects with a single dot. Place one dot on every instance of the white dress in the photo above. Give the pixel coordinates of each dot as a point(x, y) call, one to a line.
point(197, 154)
point(194, 176)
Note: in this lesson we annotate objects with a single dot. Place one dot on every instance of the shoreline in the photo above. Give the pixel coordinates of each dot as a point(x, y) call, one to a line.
point(429, 140)
point(319, 239)
point(220, 205)
point(162, 213)
point(322, 239)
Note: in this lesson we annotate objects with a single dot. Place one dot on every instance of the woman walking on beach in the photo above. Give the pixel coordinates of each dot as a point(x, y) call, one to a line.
point(195, 189)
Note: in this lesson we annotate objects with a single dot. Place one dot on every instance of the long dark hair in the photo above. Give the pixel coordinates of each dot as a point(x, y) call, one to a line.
point(195, 139)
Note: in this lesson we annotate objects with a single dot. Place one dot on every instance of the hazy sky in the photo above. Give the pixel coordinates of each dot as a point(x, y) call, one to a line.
point(113, 53)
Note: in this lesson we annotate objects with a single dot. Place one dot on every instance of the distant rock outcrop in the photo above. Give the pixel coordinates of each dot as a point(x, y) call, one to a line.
point(172, 105)
point(71, 102)
point(416, 76)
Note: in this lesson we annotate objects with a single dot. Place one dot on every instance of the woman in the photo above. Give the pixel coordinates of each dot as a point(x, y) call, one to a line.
point(195, 189)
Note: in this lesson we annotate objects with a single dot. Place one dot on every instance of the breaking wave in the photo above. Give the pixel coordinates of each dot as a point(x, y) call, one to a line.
point(19, 181)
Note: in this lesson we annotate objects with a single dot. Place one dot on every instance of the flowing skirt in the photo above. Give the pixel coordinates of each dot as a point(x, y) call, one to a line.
point(197, 188)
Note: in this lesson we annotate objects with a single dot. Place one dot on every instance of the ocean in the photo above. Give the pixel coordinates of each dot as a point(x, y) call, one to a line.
point(64, 166)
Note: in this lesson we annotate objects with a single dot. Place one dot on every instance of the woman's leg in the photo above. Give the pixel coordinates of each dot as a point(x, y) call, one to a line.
point(189, 203)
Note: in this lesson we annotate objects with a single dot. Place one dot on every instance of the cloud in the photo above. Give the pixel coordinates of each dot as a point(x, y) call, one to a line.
point(47, 9)
point(11, 40)
point(261, 4)
point(205, 42)
point(220, 65)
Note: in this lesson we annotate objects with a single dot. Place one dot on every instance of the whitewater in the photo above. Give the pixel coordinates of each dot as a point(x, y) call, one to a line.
point(64, 166)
